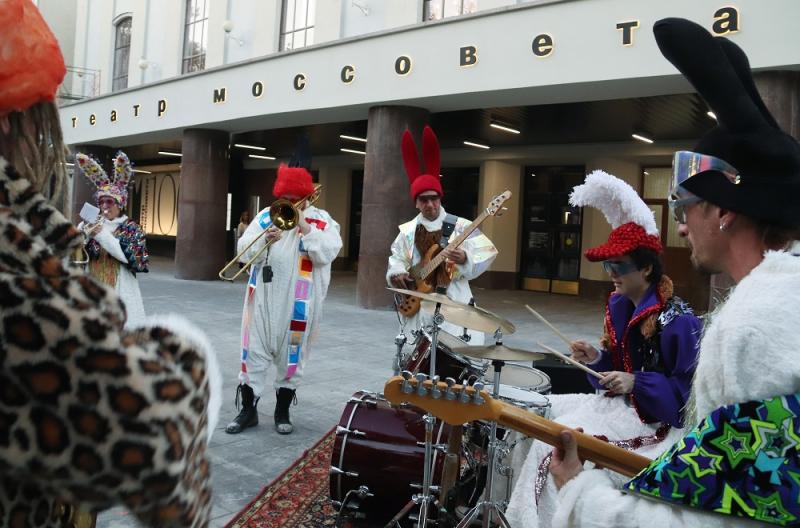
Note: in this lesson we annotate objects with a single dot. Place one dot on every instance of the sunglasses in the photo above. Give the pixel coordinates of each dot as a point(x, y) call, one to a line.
point(106, 201)
point(613, 267)
point(680, 206)
point(686, 164)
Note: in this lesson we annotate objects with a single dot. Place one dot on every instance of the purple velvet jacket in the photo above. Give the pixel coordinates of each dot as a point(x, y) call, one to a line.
point(658, 342)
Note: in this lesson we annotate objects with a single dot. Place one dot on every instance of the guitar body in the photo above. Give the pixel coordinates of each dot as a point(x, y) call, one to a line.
point(410, 305)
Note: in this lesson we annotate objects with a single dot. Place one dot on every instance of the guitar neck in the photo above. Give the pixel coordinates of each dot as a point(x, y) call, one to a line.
point(438, 259)
point(609, 456)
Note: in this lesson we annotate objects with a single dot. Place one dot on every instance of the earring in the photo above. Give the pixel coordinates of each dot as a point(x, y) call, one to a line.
point(723, 227)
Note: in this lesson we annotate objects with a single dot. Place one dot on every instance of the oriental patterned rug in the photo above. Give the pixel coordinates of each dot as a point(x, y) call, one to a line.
point(298, 498)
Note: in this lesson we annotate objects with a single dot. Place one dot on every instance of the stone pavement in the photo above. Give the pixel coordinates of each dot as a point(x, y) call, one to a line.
point(354, 351)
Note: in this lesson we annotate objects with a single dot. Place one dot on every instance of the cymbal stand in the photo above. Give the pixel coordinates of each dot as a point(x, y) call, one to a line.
point(399, 342)
point(486, 508)
point(426, 499)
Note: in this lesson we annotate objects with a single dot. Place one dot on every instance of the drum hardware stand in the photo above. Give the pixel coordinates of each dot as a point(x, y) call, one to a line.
point(399, 342)
point(465, 337)
point(349, 503)
point(487, 507)
point(426, 499)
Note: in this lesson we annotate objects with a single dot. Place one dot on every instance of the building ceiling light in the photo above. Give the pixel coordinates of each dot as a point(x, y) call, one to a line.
point(476, 145)
point(353, 138)
point(646, 173)
point(251, 147)
point(140, 171)
point(641, 138)
point(351, 151)
point(504, 128)
point(712, 115)
point(168, 153)
point(259, 156)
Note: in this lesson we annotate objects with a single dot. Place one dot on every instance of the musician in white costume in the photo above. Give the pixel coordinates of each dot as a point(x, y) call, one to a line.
point(735, 198)
point(467, 262)
point(283, 301)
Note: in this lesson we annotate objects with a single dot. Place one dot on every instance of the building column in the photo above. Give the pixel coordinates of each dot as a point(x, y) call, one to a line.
point(504, 231)
point(386, 202)
point(780, 91)
point(202, 204)
point(335, 198)
point(82, 190)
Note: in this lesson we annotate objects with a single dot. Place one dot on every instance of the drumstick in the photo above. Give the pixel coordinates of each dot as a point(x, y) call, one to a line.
point(553, 328)
point(571, 361)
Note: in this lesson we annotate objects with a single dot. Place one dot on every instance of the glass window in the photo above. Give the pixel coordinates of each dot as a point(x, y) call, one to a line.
point(195, 36)
point(297, 26)
point(439, 9)
point(122, 54)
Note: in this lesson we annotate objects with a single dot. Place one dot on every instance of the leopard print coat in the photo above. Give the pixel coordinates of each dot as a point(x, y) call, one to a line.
point(91, 414)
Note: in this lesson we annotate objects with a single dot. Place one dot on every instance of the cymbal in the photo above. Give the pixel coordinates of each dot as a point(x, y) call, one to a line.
point(432, 297)
point(499, 352)
point(473, 317)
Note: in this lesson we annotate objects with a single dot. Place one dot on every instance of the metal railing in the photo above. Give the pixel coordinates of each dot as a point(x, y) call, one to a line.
point(79, 83)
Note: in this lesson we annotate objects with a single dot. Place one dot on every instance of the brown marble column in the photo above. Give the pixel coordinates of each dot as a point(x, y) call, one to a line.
point(780, 91)
point(82, 190)
point(202, 204)
point(386, 203)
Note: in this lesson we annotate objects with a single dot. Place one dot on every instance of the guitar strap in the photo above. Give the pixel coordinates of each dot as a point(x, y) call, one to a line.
point(448, 226)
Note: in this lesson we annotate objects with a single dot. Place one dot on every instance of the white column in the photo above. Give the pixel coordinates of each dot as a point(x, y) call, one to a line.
point(504, 231)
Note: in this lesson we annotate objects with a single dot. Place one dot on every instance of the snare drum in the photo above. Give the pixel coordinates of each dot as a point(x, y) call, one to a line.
point(525, 377)
point(525, 398)
point(448, 363)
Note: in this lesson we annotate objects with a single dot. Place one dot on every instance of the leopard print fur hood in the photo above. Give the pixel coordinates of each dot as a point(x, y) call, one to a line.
point(91, 414)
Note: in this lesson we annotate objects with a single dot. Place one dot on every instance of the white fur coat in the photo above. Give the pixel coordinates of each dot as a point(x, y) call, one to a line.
point(748, 353)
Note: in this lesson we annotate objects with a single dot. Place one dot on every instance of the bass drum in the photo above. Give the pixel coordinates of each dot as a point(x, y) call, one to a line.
point(377, 447)
point(449, 364)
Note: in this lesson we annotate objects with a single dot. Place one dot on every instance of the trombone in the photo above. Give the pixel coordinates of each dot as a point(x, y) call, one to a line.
point(284, 215)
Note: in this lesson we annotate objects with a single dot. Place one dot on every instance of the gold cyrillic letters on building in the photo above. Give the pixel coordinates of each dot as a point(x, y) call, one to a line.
point(627, 31)
point(348, 74)
point(726, 20)
point(136, 110)
point(92, 119)
point(162, 107)
point(402, 66)
point(299, 81)
point(257, 89)
point(468, 56)
point(542, 45)
point(220, 94)
point(113, 116)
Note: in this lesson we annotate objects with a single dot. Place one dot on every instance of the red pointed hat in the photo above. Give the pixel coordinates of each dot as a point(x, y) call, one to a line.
point(430, 180)
point(292, 181)
point(632, 221)
point(31, 64)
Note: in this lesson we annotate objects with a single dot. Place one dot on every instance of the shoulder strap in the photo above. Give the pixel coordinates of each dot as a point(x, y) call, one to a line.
point(448, 226)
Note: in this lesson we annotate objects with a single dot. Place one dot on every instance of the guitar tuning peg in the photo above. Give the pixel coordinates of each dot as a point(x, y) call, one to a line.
point(407, 375)
point(436, 393)
point(421, 390)
point(463, 397)
point(477, 399)
point(449, 394)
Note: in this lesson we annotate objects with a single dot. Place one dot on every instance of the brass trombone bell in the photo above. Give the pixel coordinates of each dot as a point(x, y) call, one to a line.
point(285, 215)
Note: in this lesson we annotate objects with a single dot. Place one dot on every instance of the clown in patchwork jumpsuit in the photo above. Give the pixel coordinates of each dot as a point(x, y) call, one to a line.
point(283, 301)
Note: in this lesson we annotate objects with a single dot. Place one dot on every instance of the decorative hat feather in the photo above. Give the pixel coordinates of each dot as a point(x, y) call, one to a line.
point(115, 185)
point(632, 222)
point(422, 181)
point(616, 199)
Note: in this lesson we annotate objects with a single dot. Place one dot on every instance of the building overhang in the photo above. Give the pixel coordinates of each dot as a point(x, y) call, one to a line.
point(538, 53)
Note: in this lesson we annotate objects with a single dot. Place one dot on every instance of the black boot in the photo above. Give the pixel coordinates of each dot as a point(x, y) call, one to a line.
point(248, 416)
point(285, 398)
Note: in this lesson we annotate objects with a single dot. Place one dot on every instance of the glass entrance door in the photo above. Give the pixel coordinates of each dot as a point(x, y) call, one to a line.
point(551, 244)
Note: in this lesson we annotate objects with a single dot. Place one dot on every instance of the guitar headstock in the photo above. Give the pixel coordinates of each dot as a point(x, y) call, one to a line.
point(454, 404)
point(495, 207)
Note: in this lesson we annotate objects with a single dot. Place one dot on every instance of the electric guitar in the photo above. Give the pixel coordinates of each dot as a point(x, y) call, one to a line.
point(459, 404)
point(434, 257)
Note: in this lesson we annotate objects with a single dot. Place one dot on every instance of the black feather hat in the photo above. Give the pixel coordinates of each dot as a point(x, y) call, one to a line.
point(766, 186)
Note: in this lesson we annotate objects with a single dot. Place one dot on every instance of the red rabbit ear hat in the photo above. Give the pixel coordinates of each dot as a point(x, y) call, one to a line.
point(292, 181)
point(632, 221)
point(31, 64)
point(430, 180)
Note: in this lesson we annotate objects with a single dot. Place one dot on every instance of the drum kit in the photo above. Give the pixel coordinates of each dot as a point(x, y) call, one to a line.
point(398, 466)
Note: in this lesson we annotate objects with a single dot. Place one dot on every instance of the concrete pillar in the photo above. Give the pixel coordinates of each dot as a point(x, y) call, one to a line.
point(780, 91)
point(336, 183)
point(386, 202)
point(504, 231)
point(202, 205)
point(82, 190)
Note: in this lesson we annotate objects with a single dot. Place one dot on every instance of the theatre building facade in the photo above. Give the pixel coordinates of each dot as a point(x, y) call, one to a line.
point(207, 97)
